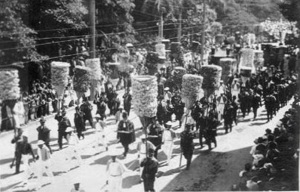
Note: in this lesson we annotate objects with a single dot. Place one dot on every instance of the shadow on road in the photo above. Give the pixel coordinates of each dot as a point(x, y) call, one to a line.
point(9, 186)
point(5, 161)
point(211, 165)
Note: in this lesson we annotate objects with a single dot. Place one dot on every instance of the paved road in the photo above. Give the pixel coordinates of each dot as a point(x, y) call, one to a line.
point(219, 168)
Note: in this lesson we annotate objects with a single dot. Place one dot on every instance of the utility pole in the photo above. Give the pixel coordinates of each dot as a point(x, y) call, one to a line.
point(203, 32)
point(93, 28)
point(161, 26)
point(180, 26)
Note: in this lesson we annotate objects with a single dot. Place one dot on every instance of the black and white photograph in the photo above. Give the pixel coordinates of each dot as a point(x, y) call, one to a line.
point(149, 95)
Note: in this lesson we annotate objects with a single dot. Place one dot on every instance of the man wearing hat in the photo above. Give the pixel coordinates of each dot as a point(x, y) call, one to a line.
point(142, 147)
point(154, 134)
point(72, 149)
point(127, 101)
point(126, 133)
point(168, 137)
point(187, 144)
point(63, 124)
point(79, 122)
point(87, 108)
point(150, 165)
point(114, 171)
point(44, 133)
point(100, 136)
point(44, 161)
point(235, 87)
point(167, 95)
point(25, 150)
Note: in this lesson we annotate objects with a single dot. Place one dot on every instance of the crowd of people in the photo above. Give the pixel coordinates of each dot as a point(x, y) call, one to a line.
point(275, 156)
point(232, 99)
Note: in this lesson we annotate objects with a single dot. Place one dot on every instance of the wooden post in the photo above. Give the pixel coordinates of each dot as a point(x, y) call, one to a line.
point(203, 33)
point(93, 28)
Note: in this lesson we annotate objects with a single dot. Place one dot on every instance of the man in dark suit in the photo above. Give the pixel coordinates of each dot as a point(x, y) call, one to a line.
point(44, 133)
point(63, 123)
point(187, 144)
point(87, 108)
point(126, 133)
point(150, 165)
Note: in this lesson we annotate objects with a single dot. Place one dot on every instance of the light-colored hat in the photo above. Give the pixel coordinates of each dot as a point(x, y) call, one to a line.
point(167, 89)
point(143, 136)
point(169, 123)
point(129, 45)
point(25, 134)
point(97, 116)
point(69, 129)
point(40, 142)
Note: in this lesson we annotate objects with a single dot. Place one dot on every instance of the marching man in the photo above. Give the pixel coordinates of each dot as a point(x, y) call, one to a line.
point(72, 150)
point(100, 138)
point(142, 153)
point(150, 165)
point(44, 161)
point(168, 136)
point(115, 170)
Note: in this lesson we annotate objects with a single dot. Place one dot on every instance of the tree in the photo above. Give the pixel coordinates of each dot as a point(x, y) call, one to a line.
point(16, 38)
point(32, 29)
point(115, 20)
point(56, 21)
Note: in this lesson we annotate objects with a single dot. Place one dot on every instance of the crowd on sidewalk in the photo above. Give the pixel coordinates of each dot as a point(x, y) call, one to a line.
point(275, 155)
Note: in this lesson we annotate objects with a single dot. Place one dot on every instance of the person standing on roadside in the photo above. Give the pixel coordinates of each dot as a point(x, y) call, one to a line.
point(44, 133)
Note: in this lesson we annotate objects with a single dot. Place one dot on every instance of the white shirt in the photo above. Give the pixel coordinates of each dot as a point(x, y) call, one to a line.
point(167, 136)
point(115, 168)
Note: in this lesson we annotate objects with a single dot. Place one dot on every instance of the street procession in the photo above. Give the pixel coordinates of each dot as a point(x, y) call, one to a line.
point(150, 95)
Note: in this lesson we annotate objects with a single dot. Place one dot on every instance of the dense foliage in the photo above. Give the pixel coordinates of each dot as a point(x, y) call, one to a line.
point(30, 30)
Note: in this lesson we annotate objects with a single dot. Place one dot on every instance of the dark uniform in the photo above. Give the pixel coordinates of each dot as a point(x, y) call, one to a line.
point(155, 136)
point(79, 123)
point(211, 132)
point(127, 102)
point(179, 111)
point(270, 106)
point(160, 114)
point(150, 165)
point(126, 138)
point(169, 110)
point(44, 135)
point(22, 148)
point(101, 108)
point(87, 108)
point(187, 144)
point(63, 123)
point(256, 102)
point(228, 114)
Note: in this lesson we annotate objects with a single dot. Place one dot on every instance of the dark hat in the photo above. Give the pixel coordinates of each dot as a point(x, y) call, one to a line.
point(42, 120)
point(151, 151)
